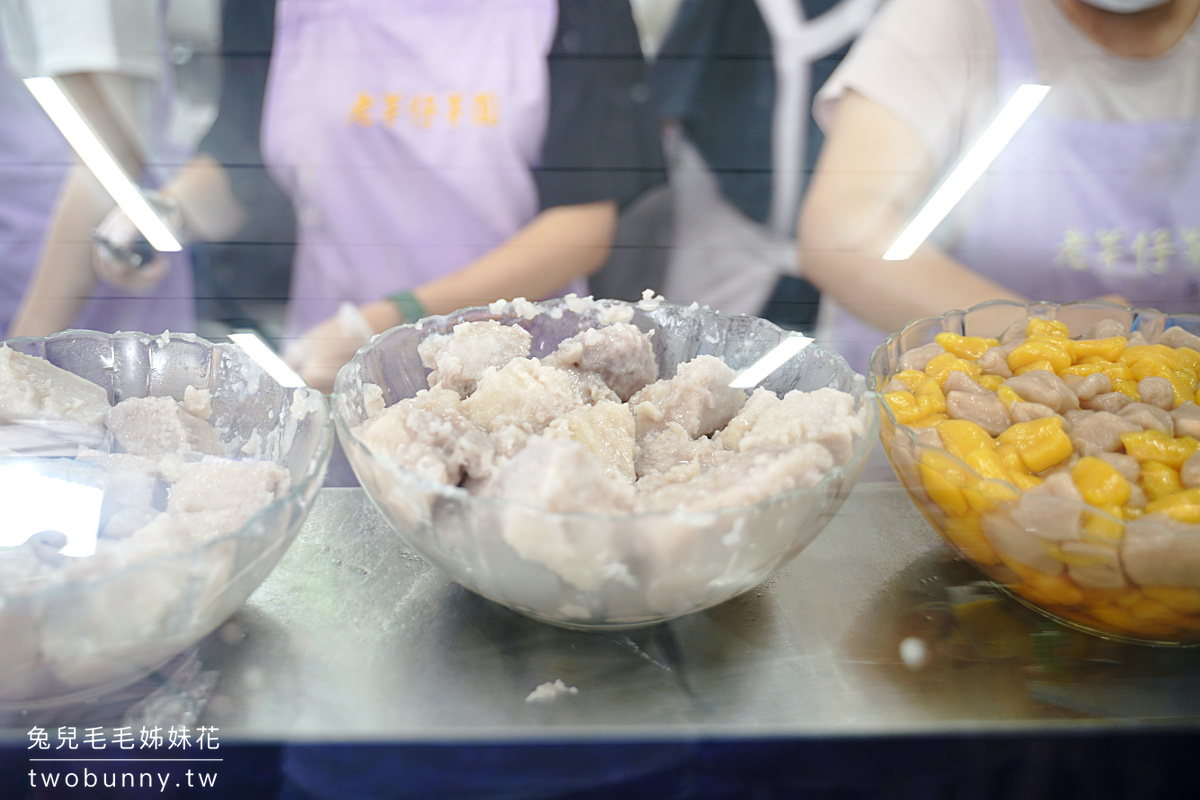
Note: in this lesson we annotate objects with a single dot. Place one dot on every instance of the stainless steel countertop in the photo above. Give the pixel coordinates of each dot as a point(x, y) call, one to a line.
point(355, 637)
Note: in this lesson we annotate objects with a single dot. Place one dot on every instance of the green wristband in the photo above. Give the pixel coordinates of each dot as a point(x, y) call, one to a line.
point(409, 306)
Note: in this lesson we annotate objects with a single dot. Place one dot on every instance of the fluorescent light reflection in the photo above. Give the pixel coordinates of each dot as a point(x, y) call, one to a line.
point(266, 358)
point(100, 161)
point(34, 503)
point(774, 358)
point(973, 164)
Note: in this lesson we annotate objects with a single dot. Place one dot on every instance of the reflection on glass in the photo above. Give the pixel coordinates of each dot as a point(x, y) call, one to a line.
point(35, 503)
point(772, 360)
point(963, 176)
point(108, 172)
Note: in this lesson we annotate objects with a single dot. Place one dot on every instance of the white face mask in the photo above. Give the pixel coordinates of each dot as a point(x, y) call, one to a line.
point(1125, 6)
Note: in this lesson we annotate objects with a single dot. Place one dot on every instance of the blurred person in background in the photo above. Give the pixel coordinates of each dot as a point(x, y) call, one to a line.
point(437, 156)
point(1097, 195)
point(734, 81)
point(137, 71)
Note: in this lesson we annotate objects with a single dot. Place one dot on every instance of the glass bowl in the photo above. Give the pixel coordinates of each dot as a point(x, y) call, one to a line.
point(1091, 564)
point(81, 619)
point(594, 571)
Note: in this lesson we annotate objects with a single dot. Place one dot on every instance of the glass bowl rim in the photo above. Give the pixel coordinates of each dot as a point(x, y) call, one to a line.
point(862, 395)
point(297, 490)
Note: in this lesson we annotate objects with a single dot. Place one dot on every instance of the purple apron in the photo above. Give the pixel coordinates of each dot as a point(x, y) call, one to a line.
point(1075, 209)
point(405, 133)
point(34, 162)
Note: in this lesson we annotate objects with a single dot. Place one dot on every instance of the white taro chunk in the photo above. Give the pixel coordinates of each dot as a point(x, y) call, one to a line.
point(561, 476)
point(1094, 566)
point(1095, 432)
point(1052, 509)
point(227, 492)
point(824, 416)
point(1106, 329)
point(1130, 469)
point(621, 355)
point(1156, 551)
point(430, 435)
point(524, 393)
point(1111, 402)
point(671, 455)
point(1088, 387)
point(197, 402)
point(1025, 412)
point(994, 361)
point(698, 397)
point(959, 381)
point(919, 357)
point(158, 426)
point(21, 671)
point(32, 388)
point(1176, 336)
point(985, 410)
point(745, 478)
point(1186, 419)
point(1189, 473)
point(1010, 539)
point(1147, 418)
point(459, 358)
point(607, 430)
point(1157, 392)
point(124, 626)
point(760, 401)
point(1043, 386)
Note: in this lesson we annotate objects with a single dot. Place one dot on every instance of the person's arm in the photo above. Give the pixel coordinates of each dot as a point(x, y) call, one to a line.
point(64, 278)
point(872, 176)
point(557, 246)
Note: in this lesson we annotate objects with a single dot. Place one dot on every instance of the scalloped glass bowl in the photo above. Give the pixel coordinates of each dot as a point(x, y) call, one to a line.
point(968, 510)
point(68, 641)
point(628, 570)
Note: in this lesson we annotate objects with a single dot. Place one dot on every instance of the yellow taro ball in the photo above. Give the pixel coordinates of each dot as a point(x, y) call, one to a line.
point(914, 379)
point(1048, 589)
point(990, 382)
point(1041, 443)
point(943, 477)
point(1109, 349)
point(1182, 599)
point(966, 534)
point(1037, 352)
point(1043, 365)
point(942, 365)
point(904, 406)
point(1159, 480)
point(965, 346)
point(961, 437)
point(1008, 396)
point(1015, 467)
point(1159, 446)
point(1106, 527)
point(1037, 326)
point(1182, 506)
point(1100, 483)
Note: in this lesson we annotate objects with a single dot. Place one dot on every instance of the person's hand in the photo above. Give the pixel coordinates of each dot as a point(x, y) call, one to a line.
point(122, 256)
point(323, 349)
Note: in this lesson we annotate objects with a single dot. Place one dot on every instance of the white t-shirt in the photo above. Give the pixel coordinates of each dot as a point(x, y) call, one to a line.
point(932, 63)
point(59, 37)
point(129, 46)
